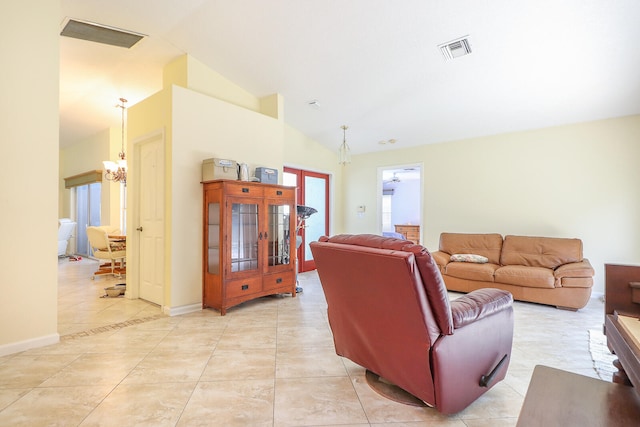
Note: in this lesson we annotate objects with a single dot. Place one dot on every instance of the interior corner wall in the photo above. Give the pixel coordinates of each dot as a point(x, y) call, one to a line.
point(578, 180)
point(87, 155)
point(206, 127)
point(188, 72)
point(29, 201)
point(76, 159)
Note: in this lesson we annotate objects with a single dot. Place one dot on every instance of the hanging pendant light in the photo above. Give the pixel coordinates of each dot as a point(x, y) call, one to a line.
point(344, 153)
point(117, 171)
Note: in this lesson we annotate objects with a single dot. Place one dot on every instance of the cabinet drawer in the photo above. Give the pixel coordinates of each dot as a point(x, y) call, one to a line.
point(245, 189)
point(236, 288)
point(410, 232)
point(278, 193)
point(278, 280)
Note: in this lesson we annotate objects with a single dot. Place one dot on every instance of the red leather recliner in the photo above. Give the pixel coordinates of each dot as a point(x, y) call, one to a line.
point(389, 312)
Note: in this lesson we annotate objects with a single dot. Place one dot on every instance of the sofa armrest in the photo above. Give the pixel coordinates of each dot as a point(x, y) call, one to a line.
point(575, 269)
point(441, 258)
point(478, 304)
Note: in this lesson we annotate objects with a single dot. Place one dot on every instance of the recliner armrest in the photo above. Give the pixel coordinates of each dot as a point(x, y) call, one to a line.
point(478, 304)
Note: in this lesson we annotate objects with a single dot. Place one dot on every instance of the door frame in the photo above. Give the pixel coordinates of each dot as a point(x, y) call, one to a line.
point(379, 185)
point(133, 214)
point(303, 264)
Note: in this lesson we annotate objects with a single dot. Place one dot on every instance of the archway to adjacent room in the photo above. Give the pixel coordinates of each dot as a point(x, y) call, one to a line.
point(312, 191)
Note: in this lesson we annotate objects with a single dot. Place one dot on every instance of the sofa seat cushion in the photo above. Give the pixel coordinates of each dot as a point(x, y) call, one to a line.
point(520, 275)
point(471, 271)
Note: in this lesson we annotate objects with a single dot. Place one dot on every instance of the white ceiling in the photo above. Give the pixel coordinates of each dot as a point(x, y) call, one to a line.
point(373, 65)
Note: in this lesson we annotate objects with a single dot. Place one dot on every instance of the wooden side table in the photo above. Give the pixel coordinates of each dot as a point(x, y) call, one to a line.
point(561, 398)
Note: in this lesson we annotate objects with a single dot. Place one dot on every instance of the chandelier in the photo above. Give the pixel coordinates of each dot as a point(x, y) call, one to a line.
point(344, 153)
point(117, 171)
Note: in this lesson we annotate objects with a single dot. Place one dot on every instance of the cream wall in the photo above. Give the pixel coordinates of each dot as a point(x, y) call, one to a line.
point(203, 115)
point(187, 71)
point(29, 189)
point(570, 181)
point(197, 126)
point(206, 127)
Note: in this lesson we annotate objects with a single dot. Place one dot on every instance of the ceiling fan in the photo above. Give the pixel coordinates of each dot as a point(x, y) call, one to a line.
point(395, 178)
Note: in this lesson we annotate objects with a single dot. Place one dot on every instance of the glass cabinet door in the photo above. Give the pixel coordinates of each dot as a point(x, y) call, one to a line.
point(244, 237)
point(279, 234)
point(213, 240)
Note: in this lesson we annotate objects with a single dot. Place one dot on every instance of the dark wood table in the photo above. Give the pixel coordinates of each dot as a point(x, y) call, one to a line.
point(622, 297)
point(561, 398)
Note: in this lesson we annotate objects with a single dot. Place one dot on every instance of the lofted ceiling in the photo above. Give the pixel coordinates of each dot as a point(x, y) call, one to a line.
point(373, 65)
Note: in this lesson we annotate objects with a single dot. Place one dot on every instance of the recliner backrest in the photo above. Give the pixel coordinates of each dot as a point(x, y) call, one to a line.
point(432, 280)
point(378, 311)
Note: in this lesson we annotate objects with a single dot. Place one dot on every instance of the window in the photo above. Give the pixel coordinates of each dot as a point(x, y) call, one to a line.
point(87, 201)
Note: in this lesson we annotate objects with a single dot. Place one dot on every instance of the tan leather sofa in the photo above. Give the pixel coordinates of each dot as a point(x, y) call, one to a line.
point(544, 270)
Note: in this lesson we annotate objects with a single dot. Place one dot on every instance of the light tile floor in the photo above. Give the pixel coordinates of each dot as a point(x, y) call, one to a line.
point(269, 362)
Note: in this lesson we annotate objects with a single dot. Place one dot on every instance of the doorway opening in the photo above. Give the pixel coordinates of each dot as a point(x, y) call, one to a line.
point(400, 190)
point(312, 191)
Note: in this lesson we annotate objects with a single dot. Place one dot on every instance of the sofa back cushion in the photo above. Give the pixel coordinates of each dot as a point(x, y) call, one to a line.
point(548, 252)
point(487, 245)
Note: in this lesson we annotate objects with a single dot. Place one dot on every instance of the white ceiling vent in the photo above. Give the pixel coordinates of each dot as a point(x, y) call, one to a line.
point(100, 33)
point(456, 48)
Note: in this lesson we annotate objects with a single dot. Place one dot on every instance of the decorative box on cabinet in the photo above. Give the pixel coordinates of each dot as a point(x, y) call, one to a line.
point(410, 232)
point(248, 242)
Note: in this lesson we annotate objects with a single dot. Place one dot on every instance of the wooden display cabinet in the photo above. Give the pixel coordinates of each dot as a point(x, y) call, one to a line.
point(248, 242)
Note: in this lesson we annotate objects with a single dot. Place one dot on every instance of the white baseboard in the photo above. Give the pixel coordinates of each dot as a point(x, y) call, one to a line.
point(184, 309)
point(17, 347)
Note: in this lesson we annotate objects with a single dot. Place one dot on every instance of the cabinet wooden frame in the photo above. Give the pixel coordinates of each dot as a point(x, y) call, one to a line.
point(270, 267)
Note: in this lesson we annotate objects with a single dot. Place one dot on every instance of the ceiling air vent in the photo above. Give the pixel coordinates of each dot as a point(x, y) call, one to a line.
point(100, 33)
point(456, 48)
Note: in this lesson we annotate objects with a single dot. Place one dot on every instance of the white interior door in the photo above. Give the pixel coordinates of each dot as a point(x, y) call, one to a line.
point(151, 214)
